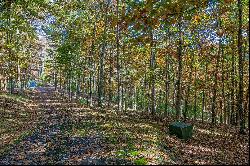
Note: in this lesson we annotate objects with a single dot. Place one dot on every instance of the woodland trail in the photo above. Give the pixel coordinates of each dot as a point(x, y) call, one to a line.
point(50, 143)
point(70, 133)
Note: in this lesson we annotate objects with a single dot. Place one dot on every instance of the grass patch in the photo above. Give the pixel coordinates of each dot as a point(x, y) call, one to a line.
point(141, 161)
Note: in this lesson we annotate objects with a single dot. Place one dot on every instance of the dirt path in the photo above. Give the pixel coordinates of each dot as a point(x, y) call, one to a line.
point(49, 143)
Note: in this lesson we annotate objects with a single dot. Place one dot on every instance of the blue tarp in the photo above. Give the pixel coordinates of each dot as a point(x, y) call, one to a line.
point(32, 84)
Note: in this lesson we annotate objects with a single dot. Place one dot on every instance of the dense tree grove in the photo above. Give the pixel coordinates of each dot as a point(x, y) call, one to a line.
point(183, 58)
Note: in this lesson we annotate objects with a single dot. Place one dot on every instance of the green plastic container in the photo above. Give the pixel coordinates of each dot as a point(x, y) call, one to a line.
point(181, 130)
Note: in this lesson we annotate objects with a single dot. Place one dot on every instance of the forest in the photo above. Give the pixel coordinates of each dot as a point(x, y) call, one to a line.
point(103, 82)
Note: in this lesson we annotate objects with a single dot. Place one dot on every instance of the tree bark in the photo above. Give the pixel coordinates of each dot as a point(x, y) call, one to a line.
point(179, 73)
point(101, 62)
point(240, 95)
point(152, 69)
point(167, 81)
point(119, 88)
point(214, 91)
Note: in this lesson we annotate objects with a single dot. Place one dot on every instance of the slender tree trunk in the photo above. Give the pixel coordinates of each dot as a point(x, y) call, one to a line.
point(152, 69)
point(240, 95)
point(214, 97)
point(55, 81)
point(232, 115)
point(179, 73)
point(78, 83)
point(9, 38)
point(185, 112)
point(125, 98)
point(145, 96)
point(228, 108)
point(110, 76)
point(195, 93)
point(69, 86)
point(100, 78)
point(101, 62)
point(60, 79)
point(90, 95)
point(119, 88)
point(94, 82)
point(135, 98)
point(204, 94)
point(167, 81)
point(223, 86)
point(123, 94)
point(19, 75)
point(174, 87)
point(213, 109)
point(246, 107)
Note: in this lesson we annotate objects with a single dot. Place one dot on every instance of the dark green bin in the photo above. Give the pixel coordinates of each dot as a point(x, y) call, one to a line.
point(181, 130)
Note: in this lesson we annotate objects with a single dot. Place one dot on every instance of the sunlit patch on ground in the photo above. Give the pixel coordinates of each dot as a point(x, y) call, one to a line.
point(16, 118)
point(213, 132)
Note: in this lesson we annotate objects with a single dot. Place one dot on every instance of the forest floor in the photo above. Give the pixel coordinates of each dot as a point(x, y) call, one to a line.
point(44, 128)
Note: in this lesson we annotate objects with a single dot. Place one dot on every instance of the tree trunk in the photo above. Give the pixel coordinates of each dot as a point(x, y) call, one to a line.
point(69, 87)
point(167, 81)
point(101, 61)
point(119, 88)
point(214, 97)
point(186, 107)
point(240, 95)
point(224, 111)
point(9, 38)
point(55, 81)
point(110, 76)
point(152, 69)
point(135, 98)
point(90, 94)
point(232, 96)
point(179, 73)
point(195, 93)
